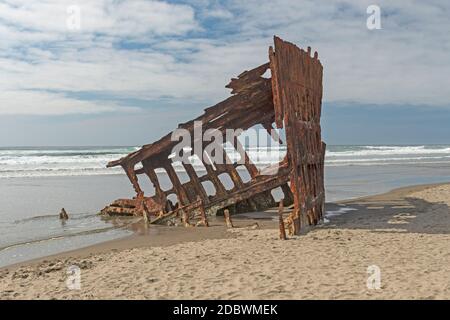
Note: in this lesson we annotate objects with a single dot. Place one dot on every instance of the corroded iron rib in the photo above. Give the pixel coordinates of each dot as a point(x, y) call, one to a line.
point(290, 100)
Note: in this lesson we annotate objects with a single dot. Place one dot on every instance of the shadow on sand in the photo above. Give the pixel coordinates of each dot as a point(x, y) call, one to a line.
point(394, 211)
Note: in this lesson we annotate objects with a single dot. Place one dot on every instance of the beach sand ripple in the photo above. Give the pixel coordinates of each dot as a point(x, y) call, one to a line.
point(406, 236)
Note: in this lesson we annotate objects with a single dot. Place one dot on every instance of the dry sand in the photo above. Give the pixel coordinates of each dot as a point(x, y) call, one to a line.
point(405, 233)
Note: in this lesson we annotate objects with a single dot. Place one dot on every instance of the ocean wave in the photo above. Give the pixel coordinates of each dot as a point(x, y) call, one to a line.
point(65, 151)
point(64, 236)
point(388, 151)
point(79, 216)
point(387, 163)
point(59, 173)
point(386, 159)
point(82, 161)
point(42, 160)
point(48, 227)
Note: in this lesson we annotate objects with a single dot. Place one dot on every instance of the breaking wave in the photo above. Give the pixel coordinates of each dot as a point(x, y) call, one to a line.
point(81, 161)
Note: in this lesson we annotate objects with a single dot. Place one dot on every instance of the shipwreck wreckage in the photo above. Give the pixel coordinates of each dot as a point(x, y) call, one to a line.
point(290, 100)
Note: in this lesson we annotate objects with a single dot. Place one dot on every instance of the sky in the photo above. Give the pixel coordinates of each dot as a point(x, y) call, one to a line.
point(127, 72)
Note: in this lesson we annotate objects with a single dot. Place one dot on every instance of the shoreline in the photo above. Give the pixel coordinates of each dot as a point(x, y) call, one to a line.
point(145, 238)
point(156, 236)
point(82, 195)
point(379, 216)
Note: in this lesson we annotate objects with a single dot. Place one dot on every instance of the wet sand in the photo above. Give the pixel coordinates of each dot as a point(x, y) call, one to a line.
point(405, 234)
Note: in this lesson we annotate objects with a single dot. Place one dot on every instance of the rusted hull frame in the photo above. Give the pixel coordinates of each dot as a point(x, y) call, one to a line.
point(291, 99)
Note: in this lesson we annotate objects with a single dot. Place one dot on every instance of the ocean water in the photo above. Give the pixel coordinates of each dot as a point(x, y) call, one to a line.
point(87, 161)
point(35, 183)
point(59, 161)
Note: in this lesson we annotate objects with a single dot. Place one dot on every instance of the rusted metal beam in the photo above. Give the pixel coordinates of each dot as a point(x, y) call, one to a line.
point(226, 214)
point(281, 221)
point(203, 219)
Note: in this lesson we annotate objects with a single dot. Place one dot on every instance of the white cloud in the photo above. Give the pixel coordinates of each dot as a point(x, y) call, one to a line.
point(124, 18)
point(170, 52)
point(407, 62)
point(25, 102)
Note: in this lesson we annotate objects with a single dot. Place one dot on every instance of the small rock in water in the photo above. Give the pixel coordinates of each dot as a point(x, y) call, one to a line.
point(63, 214)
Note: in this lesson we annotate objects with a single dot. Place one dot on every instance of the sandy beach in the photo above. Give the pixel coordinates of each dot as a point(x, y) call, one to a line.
point(404, 233)
point(133, 132)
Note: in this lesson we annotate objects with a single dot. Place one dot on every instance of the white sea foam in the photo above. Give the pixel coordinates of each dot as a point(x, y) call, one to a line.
point(386, 155)
point(390, 150)
point(34, 162)
point(340, 211)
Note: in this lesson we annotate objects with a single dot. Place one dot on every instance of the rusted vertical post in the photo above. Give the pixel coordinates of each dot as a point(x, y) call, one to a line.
point(129, 170)
point(294, 226)
point(177, 185)
point(146, 219)
point(145, 213)
point(151, 174)
point(203, 219)
point(231, 170)
point(226, 213)
point(197, 184)
point(281, 222)
point(185, 219)
point(220, 189)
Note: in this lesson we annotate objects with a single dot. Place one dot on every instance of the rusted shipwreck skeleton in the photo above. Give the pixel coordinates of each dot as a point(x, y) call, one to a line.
point(290, 100)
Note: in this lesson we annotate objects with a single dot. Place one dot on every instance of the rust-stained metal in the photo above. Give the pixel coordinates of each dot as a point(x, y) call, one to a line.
point(227, 216)
point(290, 100)
point(281, 221)
point(186, 219)
point(203, 219)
